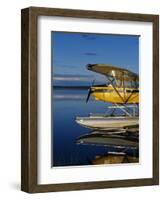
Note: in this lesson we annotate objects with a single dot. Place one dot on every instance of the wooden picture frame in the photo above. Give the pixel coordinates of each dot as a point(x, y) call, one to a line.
point(29, 112)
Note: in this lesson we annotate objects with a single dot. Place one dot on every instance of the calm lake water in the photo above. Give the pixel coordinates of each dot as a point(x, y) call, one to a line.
point(67, 104)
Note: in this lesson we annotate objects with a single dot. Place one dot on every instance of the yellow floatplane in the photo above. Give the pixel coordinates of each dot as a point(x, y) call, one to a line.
point(121, 90)
point(122, 86)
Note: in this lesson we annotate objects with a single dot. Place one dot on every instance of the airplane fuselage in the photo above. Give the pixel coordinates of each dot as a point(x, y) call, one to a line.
point(115, 95)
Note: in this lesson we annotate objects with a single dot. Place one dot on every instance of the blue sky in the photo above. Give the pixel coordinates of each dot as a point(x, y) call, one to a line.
point(71, 52)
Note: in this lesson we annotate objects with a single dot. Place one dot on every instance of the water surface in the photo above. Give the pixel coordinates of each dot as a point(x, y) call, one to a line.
point(68, 103)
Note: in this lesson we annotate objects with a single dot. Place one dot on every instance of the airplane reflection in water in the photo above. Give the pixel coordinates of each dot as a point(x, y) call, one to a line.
point(125, 144)
point(113, 138)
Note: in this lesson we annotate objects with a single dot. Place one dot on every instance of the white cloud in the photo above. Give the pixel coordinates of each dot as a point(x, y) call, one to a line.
point(71, 78)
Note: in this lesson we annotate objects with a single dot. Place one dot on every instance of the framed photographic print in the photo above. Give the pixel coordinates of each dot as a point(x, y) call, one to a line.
point(90, 99)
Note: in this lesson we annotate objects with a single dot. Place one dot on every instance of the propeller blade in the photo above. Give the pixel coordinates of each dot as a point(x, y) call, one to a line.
point(93, 82)
point(90, 91)
point(88, 96)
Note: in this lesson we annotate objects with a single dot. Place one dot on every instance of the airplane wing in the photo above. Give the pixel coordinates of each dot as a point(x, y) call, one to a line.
point(113, 71)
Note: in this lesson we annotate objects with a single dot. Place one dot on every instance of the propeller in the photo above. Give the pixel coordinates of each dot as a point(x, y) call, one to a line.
point(90, 91)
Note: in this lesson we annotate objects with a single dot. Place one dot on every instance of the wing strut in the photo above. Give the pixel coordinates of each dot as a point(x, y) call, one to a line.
point(129, 96)
point(111, 81)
